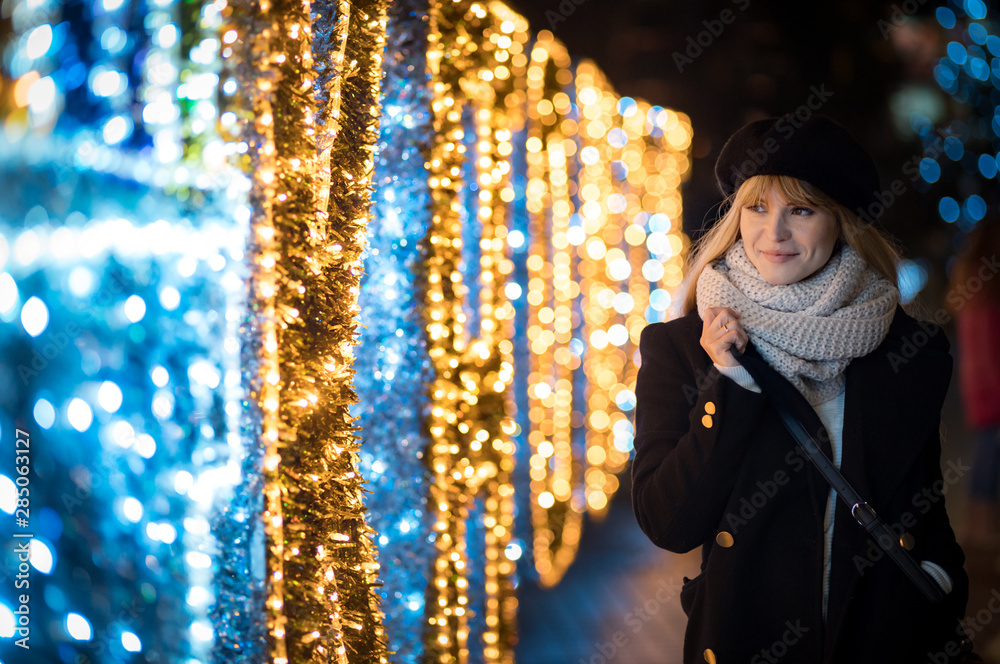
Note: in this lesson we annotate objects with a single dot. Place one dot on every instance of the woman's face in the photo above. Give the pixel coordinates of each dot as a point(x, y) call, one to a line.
point(787, 243)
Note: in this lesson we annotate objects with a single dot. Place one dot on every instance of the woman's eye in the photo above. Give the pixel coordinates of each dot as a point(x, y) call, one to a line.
point(756, 208)
point(802, 211)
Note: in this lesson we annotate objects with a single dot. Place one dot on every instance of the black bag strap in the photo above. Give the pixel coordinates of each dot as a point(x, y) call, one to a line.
point(770, 384)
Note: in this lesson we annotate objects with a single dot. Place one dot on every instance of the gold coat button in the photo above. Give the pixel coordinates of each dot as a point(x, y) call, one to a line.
point(706, 421)
point(710, 407)
point(709, 656)
point(906, 541)
point(724, 539)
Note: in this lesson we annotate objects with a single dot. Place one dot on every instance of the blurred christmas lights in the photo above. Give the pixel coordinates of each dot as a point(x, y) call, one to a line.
point(969, 71)
point(526, 226)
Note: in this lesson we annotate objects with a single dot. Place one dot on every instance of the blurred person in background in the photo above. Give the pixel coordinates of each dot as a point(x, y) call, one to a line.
point(974, 299)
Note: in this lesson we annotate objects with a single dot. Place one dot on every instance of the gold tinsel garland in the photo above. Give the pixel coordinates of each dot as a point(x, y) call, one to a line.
point(311, 156)
point(311, 129)
point(470, 55)
point(314, 133)
point(451, 465)
point(481, 76)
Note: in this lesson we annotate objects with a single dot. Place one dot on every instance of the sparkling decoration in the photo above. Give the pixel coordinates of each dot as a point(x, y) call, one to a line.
point(121, 329)
point(392, 363)
point(603, 197)
point(470, 449)
point(966, 148)
point(315, 125)
point(534, 166)
point(242, 238)
point(173, 391)
point(551, 290)
point(631, 251)
point(133, 441)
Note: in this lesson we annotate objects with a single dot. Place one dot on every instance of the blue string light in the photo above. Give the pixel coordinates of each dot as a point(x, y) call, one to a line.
point(948, 209)
point(122, 278)
point(993, 44)
point(975, 9)
point(971, 75)
point(945, 17)
point(912, 279)
point(978, 33)
point(987, 165)
point(391, 357)
point(123, 366)
point(930, 170)
point(974, 207)
point(956, 52)
point(120, 319)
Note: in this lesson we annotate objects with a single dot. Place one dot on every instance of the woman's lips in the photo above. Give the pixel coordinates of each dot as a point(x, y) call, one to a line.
point(778, 258)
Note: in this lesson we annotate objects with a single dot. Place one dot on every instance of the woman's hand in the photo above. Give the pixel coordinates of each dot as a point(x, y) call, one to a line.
point(720, 331)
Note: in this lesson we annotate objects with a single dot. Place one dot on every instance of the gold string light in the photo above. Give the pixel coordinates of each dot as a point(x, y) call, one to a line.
point(502, 80)
point(308, 233)
point(617, 135)
point(556, 509)
point(476, 63)
point(482, 80)
point(264, 284)
point(599, 255)
point(308, 149)
point(655, 156)
point(449, 47)
point(572, 147)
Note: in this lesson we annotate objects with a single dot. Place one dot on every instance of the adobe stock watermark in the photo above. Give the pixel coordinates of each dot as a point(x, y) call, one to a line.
point(786, 126)
point(53, 343)
point(751, 505)
point(635, 620)
point(22, 539)
point(696, 44)
point(885, 199)
point(703, 382)
point(966, 631)
point(957, 297)
point(562, 12)
point(974, 624)
point(922, 502)
point(782, 645)
point(901, 12)
point(84, 481)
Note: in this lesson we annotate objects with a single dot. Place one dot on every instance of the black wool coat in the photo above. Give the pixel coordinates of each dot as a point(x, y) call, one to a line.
point(714, 467)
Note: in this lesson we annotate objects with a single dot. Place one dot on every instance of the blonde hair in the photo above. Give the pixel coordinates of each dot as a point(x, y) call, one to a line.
point(877, 248)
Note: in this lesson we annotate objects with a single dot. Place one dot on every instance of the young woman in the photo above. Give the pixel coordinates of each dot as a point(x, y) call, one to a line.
point(792, 275)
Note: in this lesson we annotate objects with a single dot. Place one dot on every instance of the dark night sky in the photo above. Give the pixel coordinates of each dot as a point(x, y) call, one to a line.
point(767, 60)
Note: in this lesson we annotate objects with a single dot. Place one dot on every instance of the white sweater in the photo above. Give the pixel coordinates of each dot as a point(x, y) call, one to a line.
point(831, 413)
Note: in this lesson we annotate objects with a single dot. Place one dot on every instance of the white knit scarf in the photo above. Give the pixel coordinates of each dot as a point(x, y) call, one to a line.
point(808, 331)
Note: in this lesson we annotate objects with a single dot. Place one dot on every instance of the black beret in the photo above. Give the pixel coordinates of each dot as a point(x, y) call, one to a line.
point(817, 150)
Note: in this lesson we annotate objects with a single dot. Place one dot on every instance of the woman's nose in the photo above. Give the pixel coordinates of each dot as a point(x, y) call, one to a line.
point(777, 226)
